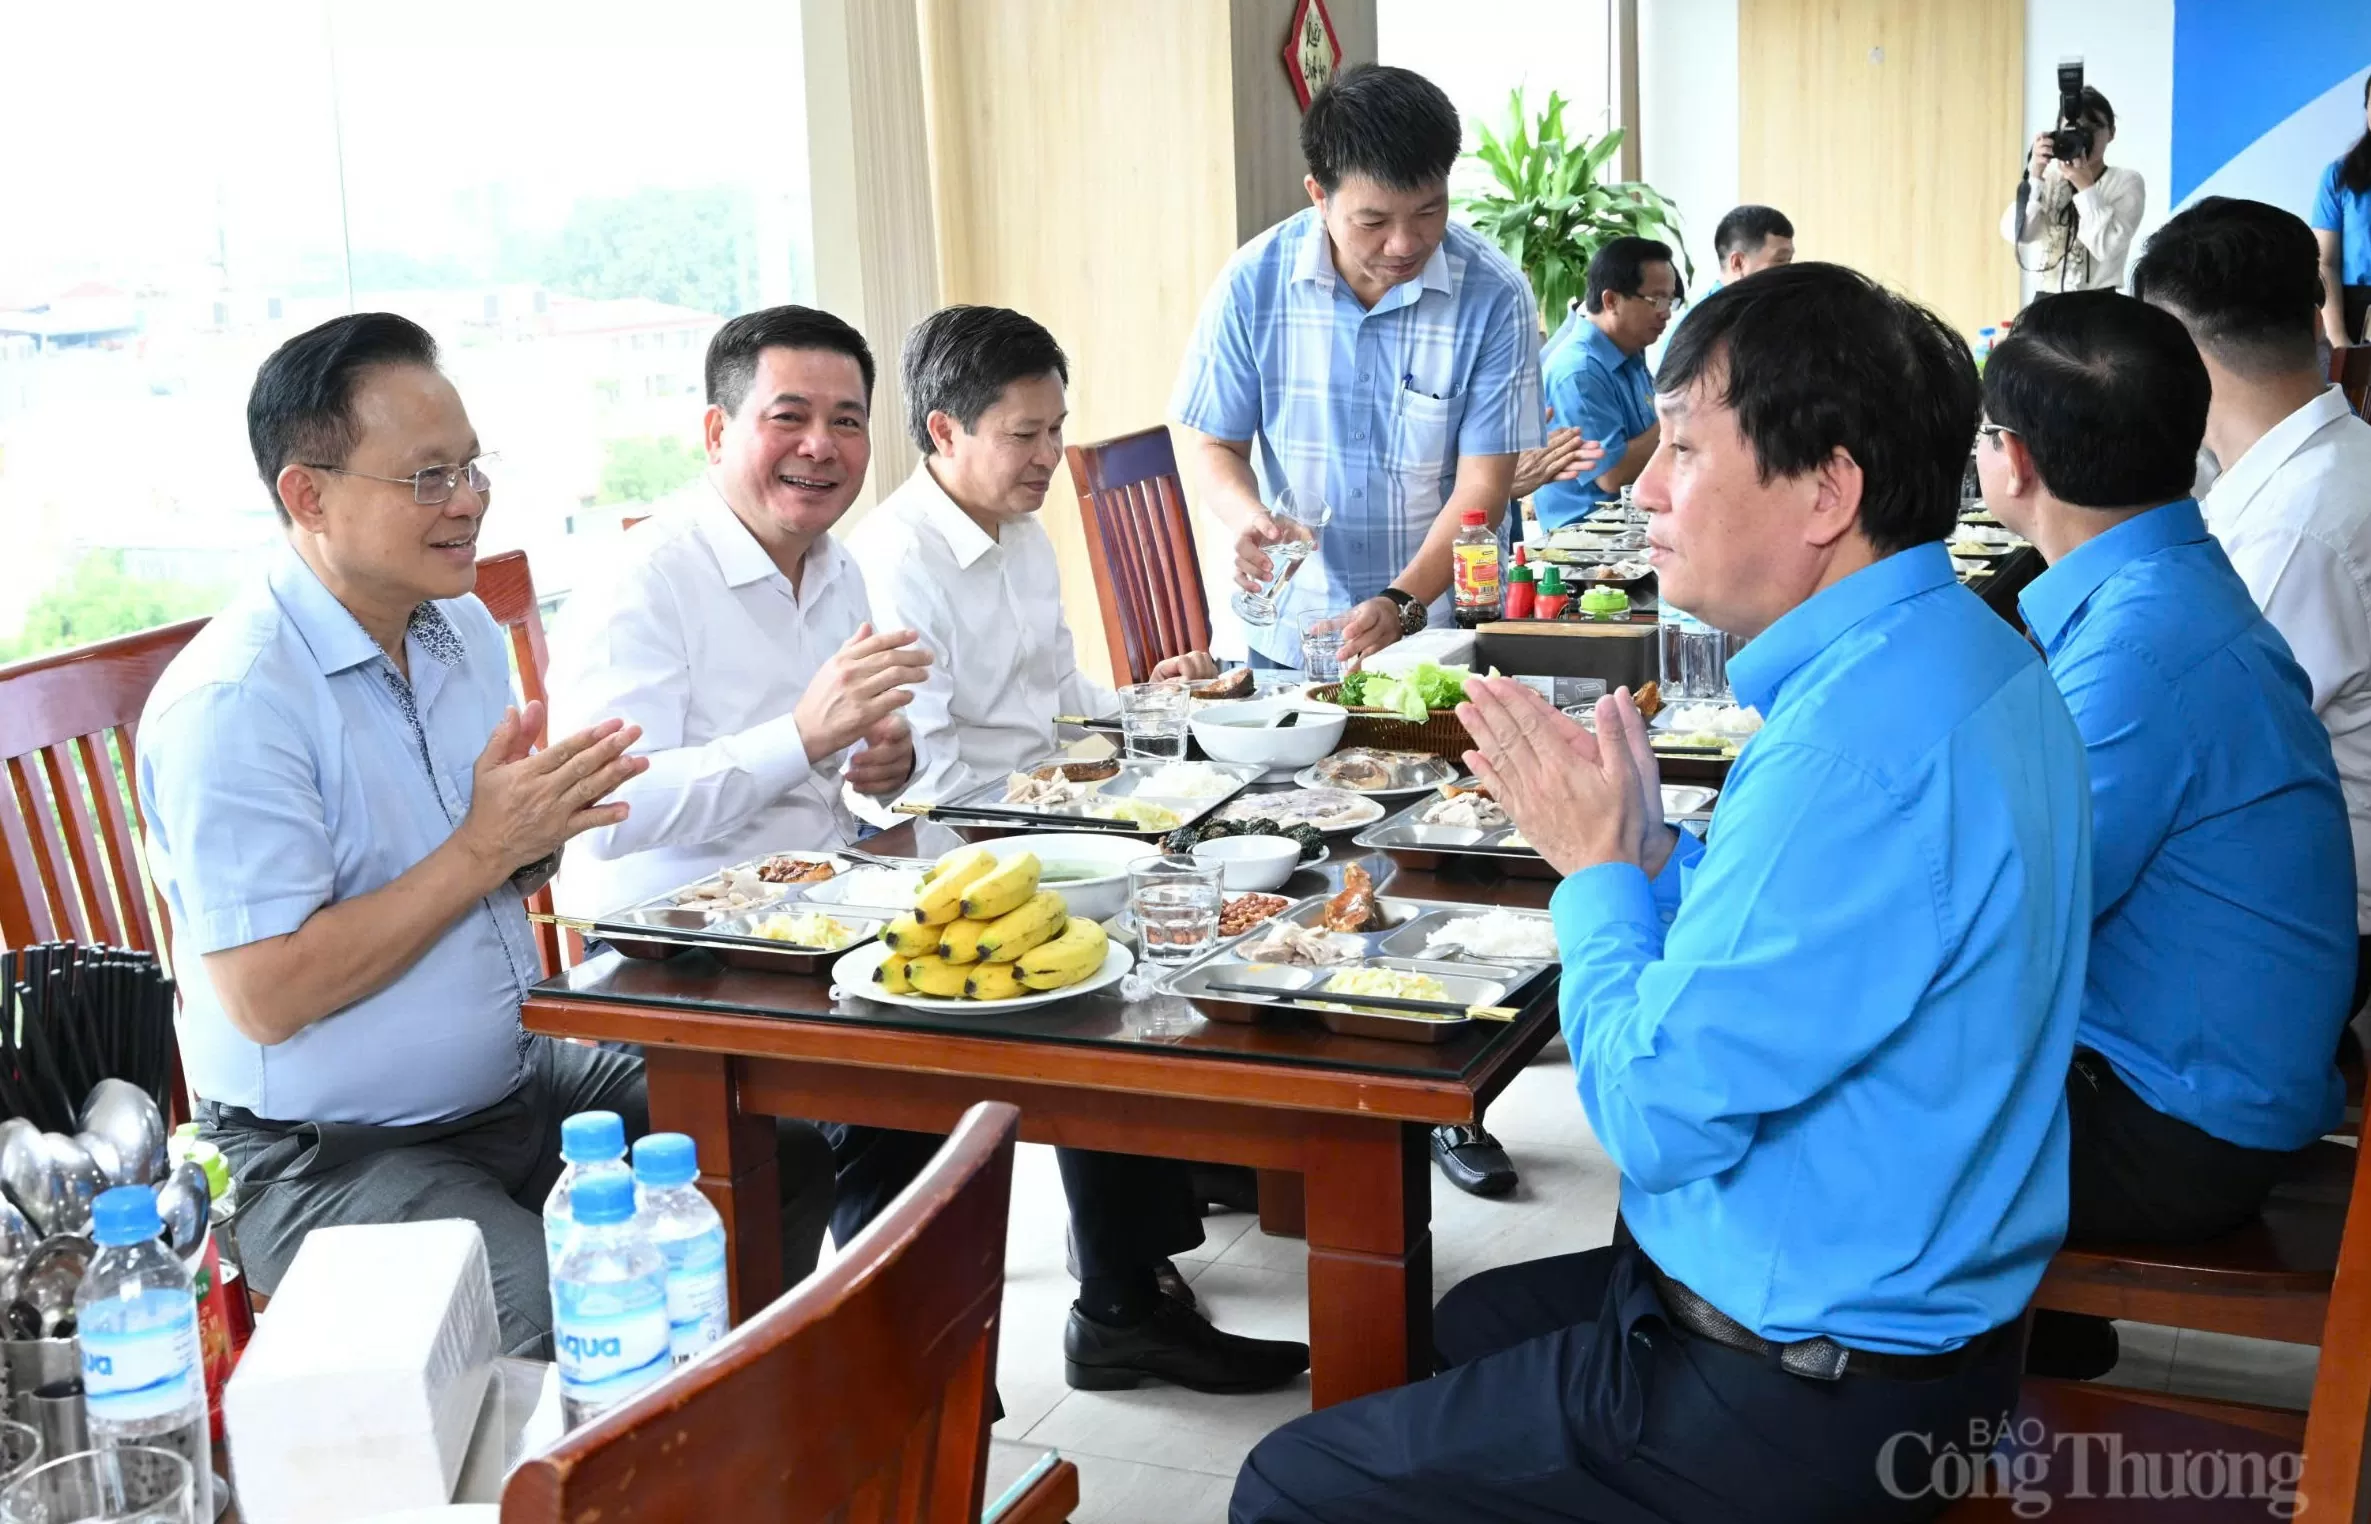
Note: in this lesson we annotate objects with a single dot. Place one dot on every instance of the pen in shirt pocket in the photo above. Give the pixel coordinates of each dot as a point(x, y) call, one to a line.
point(1408, 383)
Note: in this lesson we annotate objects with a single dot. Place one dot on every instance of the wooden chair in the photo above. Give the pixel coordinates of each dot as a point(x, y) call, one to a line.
point(1141, 545)
point(2334, 1488)
point(2350, 369)
point(507, 589)
point(862, 1396)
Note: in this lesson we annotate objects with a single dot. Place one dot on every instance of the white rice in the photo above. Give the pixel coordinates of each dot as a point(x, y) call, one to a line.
point(1496, 933)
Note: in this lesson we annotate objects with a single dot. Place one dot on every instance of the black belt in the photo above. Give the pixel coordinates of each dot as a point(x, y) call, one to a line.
point(1820, 1359)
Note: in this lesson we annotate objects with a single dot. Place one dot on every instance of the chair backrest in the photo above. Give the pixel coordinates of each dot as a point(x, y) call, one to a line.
point(861, 1396)
point(507, 589)
point(1141, 546)
point(2336, 1485)
point(70, 823)
point(2350, 367)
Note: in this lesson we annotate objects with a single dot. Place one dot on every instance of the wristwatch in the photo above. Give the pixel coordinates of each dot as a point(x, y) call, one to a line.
point(1413, 614)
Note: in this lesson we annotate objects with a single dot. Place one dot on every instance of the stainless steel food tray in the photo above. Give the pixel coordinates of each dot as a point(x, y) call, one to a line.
point(986, 802)
point(1408, 923)
point(1423, 847)
point(660, 927)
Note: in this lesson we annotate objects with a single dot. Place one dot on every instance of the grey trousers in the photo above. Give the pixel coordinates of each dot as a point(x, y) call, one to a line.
point(494, 1167)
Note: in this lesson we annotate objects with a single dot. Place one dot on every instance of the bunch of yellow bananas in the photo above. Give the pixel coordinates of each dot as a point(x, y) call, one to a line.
point(983, 930)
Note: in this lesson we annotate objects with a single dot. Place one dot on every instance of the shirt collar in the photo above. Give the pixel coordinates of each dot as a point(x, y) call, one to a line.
point(2237, 487)
point(2051, 602)
point(966, 540)
point(1596, 341)
point(737, 553)
point(1315, 262)
point(1763, 665)
point(332, 633)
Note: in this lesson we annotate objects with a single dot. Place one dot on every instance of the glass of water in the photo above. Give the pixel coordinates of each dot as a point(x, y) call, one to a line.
point(1175, 902)
point(1321, 645)
point(1153, 719)
point(1300, 515)
point(128, 1484)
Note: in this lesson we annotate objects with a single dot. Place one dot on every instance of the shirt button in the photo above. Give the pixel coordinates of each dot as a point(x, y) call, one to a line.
point(1358, 492)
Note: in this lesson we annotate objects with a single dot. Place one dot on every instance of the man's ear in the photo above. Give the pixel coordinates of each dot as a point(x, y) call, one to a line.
point(1836, 511)
point(1315, 190)
point(712, 424)
point(942, 427)
point(300, 495)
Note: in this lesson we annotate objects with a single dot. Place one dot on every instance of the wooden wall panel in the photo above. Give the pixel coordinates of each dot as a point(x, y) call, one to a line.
point(1889, 131)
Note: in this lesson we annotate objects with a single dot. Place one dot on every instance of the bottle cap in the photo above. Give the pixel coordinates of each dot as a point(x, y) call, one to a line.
point(592, 1136)
point(665, 1159)
point(125, 1215)
point(1473, 516)
point(1551, 579)
point(601, 1200)
point(218, 1169)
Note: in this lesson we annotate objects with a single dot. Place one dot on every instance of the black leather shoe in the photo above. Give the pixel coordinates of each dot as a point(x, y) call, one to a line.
point(1473, 1161)
point(1229, 1187)
point(1165, 1273)
point(1177, 1345)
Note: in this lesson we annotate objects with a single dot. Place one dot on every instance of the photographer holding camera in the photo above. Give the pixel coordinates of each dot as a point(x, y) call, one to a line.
point(2072, 207)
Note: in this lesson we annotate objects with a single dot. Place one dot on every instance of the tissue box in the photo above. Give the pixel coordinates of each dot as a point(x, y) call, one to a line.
point(362, 1384)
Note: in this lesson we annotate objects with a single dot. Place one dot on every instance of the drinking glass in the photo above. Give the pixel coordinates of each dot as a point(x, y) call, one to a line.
point(1153, 719)
point(1321, 645)
point(20, 1449)
point(1175, 902)
point(1300, 515)
point(129, 1484)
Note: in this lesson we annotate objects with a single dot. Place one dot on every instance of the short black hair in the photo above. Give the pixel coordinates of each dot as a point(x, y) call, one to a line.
point(2108, 394)
point(1392, 126)
point(1747, 228)
point(733, 352)
point(959, 360)
point(1622, 266)
point(2095, 111)
point(2245, 277)
point(1814, 358)
point(302, 405)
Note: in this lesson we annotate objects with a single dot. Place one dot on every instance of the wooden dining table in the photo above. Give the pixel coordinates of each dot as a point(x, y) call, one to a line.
point(1337, 1126)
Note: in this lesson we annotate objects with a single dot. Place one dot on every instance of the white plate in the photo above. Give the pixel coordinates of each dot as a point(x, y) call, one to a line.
point(1664, 717)
point(854, 976)
point(1307, 778)
point(1365, 811)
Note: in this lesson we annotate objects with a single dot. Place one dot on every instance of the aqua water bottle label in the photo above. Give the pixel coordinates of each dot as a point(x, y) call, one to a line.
point(611, 1337)
point(698, 1312)
point(151, 1370)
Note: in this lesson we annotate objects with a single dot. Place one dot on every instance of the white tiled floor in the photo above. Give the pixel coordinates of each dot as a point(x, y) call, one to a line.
point(1164, 1456)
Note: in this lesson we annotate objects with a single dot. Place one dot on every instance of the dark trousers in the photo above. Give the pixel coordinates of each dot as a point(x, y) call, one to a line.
point(1569, 1396)
point(494, 1167)
point(2355, 305)
point(2140, 1176)
point(1126, 1212)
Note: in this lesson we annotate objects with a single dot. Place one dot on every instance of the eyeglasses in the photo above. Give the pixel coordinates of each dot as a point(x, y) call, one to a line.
point(1993, 432)
point(1659, 303)
point(432, 486)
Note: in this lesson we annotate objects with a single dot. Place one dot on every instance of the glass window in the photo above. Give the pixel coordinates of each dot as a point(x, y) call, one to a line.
point(563, 191)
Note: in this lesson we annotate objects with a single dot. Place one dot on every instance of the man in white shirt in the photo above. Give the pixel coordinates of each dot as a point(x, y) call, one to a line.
point(2079, 213)
point(738, 635)
point(2293, 504)
point(957, 554)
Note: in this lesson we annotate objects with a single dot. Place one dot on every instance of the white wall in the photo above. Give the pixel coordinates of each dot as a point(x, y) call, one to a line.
point(1477, 53)
point(1687, 115)
point(2127, 52)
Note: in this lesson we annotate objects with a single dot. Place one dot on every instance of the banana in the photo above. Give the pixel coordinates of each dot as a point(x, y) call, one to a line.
point(909, 938)
point(1067, 959)
point(959, 941)
point(891, 975)
point(934, 975)
point(1008, 888)
point(941, 899)
point(1037, 919)
point(994, 981)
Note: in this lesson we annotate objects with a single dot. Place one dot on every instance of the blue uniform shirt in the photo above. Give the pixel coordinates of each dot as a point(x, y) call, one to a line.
point(2348, 214)
point(1369, 407)
point(281, 770)
point(2222, 890)
point(1835, 1081)
point(1609, 395)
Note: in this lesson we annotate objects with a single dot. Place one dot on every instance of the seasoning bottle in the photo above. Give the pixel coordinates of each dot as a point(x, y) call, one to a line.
point(1520, 590)
point(1474, 560)
point(1551, 595)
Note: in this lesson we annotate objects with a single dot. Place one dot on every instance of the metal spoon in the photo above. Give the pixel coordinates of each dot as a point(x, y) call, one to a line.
point(52, 1273)
point(183, 1199)
point(53, 1179)
point(130, 1130)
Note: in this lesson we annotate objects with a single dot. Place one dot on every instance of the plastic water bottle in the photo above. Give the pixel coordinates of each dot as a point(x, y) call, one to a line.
point(1695, 658)
point(691, 1236)
point(136, 1313)
point(591, 1143)
point(609, 1301)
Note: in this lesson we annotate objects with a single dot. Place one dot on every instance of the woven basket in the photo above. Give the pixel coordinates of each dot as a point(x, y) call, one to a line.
point(1381, 730)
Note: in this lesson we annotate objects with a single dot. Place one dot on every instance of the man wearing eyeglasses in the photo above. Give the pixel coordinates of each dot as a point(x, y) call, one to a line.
point(1599, 383)
point(343, 815)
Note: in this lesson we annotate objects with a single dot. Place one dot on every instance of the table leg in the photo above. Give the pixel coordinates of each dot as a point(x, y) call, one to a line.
point(1282, 1212)
point(1369, 1194)
point(696, 1093)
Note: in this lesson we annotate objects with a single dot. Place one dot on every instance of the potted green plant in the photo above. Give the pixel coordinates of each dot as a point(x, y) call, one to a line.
point(1552, 210)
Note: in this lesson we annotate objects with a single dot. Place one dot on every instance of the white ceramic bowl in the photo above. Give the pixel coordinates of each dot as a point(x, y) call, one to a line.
point(1249, 863)
point(1311, 737)
point(1103, 893)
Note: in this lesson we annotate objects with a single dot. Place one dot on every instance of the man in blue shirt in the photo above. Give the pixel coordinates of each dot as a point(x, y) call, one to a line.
point(2222, 891)
point(343, 814)
point(1372, 353)
point(1824, 1046)
point(1599, 383)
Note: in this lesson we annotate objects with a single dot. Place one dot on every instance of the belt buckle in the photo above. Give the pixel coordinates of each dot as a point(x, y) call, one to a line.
point(1820, 1359)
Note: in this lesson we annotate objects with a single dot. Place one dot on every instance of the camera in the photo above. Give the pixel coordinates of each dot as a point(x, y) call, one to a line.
point(2071, 140)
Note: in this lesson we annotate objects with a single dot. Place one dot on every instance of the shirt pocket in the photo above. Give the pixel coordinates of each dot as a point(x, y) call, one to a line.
point(1423, 432)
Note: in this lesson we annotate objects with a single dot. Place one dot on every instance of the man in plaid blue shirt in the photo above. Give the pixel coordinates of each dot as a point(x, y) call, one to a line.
point(1371, 352)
